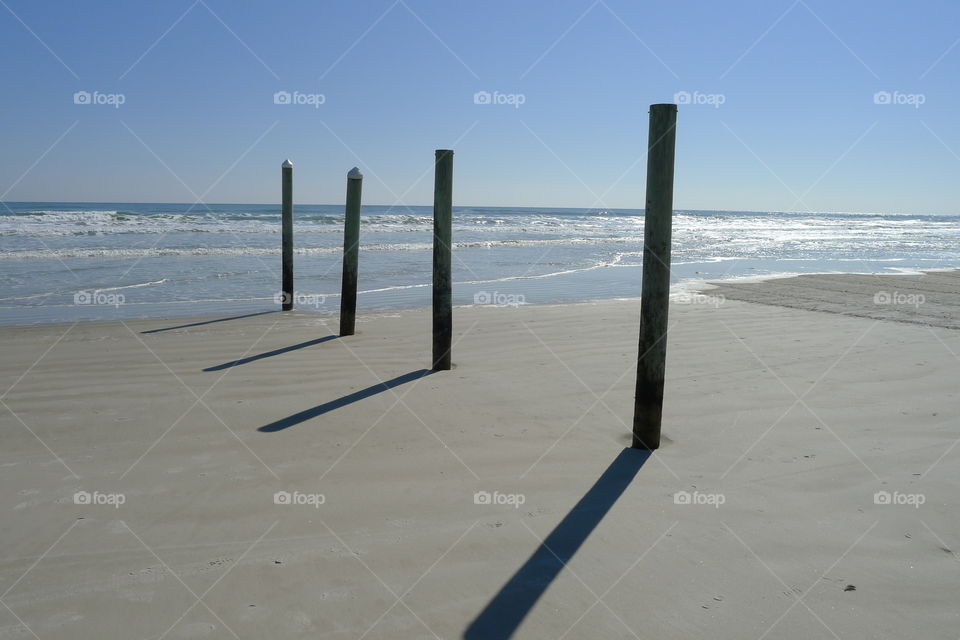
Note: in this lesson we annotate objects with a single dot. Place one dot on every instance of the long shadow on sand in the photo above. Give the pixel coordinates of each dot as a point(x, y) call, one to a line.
point(197, 324)
point(503, 615)
point(268, 354)
point(356, 396)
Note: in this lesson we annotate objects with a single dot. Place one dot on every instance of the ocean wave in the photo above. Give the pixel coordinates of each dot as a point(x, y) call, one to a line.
point(161, 252)
point(136, 285)
point(97, 222)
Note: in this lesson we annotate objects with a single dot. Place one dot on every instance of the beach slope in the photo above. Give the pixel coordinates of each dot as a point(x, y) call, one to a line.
point(260, 477)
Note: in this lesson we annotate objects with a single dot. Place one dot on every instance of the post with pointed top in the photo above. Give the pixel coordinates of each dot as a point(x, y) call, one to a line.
point(442, 259)
point(351, 253)
point(286, 235)
point(655, 292)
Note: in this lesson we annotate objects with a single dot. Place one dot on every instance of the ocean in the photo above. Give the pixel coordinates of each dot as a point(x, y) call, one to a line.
point(63, 262)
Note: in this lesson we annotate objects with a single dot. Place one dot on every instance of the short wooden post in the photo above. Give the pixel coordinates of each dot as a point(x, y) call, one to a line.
point(655, 292)
point(442, 259)
point(286, 235)
point(351, 253)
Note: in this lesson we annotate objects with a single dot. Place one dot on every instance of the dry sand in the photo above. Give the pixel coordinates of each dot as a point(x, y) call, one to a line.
point(782, 425)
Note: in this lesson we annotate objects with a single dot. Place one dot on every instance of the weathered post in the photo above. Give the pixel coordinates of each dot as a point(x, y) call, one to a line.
point(442, 259)
point(655, 292)
point(286, 236)
point(351, 253)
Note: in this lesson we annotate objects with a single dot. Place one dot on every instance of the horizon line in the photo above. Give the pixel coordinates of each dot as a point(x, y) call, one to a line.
point(475, 206)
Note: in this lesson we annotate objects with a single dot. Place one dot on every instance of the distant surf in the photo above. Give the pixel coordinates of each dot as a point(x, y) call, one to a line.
point(183, 259)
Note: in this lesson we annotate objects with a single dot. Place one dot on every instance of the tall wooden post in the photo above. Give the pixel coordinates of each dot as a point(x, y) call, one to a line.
point(351, 253)
point(442, 259)
point(655, 292)
point(286, 236)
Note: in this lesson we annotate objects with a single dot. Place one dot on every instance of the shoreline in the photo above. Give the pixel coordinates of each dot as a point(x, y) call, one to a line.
point(681, 292)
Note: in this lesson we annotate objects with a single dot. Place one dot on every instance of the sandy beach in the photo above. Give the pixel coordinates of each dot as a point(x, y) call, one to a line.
point(255, 476)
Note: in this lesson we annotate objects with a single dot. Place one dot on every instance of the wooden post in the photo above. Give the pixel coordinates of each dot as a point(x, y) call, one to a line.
point(655, 292)
point(286, 236)
point(442, 259)
point(351, 253)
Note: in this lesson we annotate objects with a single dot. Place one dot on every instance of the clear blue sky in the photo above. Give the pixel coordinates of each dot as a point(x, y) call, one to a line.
point(798, 127)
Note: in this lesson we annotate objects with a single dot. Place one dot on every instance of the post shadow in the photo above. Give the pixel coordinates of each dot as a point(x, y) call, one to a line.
point(197, 324)
point(505, 612)
point(356, 396)
point(268, 354)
